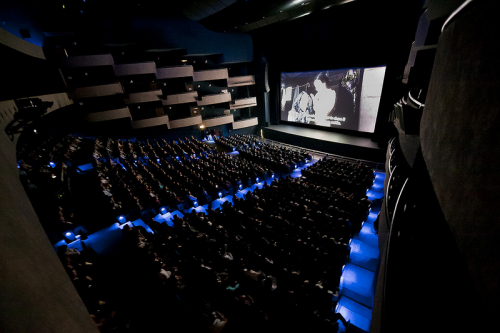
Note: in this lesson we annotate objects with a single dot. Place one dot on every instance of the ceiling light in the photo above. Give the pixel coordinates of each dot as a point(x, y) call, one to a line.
point(302, 15)
point(184, 60)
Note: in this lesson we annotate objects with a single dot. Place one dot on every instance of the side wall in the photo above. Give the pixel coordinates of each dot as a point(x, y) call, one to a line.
point(36, 294)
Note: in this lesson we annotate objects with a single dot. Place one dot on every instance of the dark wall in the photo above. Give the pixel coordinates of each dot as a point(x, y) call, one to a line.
point(36, 294)
point(23, 76)
point(459, 139)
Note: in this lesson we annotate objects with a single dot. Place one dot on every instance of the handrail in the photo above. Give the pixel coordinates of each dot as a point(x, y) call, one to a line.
point(388, 246)
point(387, 193)
point(420, 105)
point(462, 6)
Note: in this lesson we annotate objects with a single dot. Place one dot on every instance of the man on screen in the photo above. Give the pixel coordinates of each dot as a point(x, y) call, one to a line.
point(324, 100)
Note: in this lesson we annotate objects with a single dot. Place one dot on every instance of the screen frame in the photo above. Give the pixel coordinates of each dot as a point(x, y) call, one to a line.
point(326, 128)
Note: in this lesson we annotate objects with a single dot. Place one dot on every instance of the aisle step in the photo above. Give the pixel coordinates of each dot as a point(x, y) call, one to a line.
point(355, 307)
point(364, 255)
point(356, 283)
point(356, 319)
point(372, 216)
point(367, 235)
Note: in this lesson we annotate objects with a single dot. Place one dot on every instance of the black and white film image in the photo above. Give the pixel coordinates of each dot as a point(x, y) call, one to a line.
point(342, 98)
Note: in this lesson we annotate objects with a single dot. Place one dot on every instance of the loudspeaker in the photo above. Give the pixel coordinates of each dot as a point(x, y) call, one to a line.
point(262, 75)
point(267, 108)
point(266, 76)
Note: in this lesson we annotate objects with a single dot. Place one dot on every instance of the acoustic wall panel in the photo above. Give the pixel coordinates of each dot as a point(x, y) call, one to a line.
point(90, 60)
point(246, 123)
point(238, 81)
point(138, 68)
point(97, 91)
point(211, 74)
point(150, 122)
point(189, 97)
point(218, 121)
point(108, 115)
point(144, 97)
point(244, 103)
point(214, 99)
point(174, 72)
point(185, 122)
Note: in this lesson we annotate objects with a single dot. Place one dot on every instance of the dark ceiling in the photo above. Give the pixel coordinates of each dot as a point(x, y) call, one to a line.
point(66, 16)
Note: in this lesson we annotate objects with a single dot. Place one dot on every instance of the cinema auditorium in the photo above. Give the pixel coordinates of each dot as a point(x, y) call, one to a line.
point(249, 166)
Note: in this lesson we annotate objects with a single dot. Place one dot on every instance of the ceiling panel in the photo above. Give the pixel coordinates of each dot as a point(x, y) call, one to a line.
point(283, 16)
point(261, 23)
point(217, 5)
point(252, 26)
point(272, 19)
point(228, 2)
point(209, 10)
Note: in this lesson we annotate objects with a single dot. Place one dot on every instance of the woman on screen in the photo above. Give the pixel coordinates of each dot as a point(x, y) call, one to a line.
point(324, 100)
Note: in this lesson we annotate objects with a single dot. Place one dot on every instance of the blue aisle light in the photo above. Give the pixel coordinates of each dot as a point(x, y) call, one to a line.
point(52, 164)
point(69, 237)
point(220, 195)
point(163, 210)
point(257, 179)
point(195, 204)
point(241, 186)
point(272, 176)
point(122, 219)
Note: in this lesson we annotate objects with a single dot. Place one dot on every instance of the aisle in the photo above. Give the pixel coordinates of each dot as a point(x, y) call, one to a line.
point(357, 281)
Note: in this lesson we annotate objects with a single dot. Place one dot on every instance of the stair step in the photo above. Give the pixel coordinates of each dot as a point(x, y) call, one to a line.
point(355, 307)
point(356, 319)
point(364, 255)
point(367, 235)
point(356, 283)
